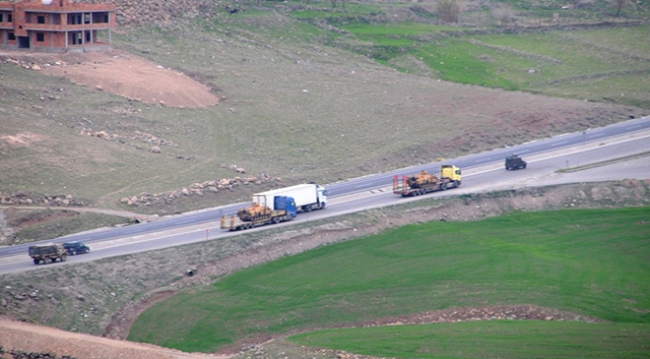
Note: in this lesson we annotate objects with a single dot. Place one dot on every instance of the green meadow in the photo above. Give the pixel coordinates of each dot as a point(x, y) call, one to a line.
point(498, 339)
point(604, 65)
point(594, 263)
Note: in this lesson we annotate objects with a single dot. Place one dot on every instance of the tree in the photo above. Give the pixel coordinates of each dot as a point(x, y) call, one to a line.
point(504, 13)
point(448, 10)
point(620, 4)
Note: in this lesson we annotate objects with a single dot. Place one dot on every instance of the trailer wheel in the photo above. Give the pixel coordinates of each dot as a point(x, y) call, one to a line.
point(275, 220)
point(36, 261)
point(306, 208)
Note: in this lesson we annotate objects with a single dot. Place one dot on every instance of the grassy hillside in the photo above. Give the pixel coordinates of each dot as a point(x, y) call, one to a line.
point(317, 94)
point(589, 262)
point(508, 339)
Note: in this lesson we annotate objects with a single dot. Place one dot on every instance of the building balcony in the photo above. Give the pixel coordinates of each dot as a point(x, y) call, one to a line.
point(66, 27)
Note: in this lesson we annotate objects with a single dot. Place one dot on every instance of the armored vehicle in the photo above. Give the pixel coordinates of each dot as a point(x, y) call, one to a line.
point(48, 253)
point(515, 162)
point(76, 248)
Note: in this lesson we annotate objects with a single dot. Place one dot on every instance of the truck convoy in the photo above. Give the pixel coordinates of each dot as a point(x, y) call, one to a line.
point(47, 253)
point(277, 206)
point(423, 182)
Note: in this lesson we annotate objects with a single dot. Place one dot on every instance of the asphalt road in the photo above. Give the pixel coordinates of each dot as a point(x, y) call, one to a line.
point(481, 172)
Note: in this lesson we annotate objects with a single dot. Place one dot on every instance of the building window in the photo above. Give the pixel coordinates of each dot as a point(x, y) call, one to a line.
point(40, 37)
point(9, 18)
point(2, 17)
point(12, 36)
point(40, 19)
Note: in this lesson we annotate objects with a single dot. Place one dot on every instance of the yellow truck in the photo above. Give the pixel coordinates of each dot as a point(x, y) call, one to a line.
point(424, 182)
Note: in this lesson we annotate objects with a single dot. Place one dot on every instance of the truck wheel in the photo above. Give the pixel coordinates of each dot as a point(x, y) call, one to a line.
point(63, 258)
point(443, 186)
point(275, 220)
point(525, 166)
point(306, 208)
point(456, 184)
point(36, 261)
point(322, 206)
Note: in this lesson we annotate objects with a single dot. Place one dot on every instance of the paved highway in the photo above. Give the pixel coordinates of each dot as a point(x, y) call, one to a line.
point(481, 172)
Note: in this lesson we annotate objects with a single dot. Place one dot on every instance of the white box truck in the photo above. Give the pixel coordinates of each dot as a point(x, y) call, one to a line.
point(307, 197)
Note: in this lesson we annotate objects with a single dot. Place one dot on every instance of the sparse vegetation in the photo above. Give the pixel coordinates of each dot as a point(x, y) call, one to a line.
point(448, 10)
point(315, 61)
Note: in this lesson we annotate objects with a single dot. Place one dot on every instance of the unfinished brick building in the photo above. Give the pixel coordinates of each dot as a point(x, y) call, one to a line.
point(56, 25)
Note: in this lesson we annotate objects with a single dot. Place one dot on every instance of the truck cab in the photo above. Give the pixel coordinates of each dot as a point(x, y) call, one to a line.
point(285, 203)
point(322, 196)
point(452, 172)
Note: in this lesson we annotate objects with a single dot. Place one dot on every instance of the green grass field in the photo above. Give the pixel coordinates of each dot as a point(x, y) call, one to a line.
point(545, 62)
point(589, 262)
point(497, 339)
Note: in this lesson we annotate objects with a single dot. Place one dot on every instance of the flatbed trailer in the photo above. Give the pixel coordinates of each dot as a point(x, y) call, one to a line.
point(423, 183)
point(233, 223)
point(405, 191)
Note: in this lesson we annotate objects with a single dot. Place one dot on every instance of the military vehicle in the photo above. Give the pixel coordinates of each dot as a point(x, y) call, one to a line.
point(48, 253)
point(74, 248)
point(424, 182)
point(515, 162)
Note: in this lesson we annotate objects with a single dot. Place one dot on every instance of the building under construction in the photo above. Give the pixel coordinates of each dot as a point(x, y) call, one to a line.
point(56, 25)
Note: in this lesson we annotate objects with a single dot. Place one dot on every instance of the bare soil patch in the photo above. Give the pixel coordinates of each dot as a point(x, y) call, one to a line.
point(122, 74)
point(33, 338)
point(21, 139)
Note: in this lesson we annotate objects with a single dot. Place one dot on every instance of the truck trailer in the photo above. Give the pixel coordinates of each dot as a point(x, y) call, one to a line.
point(423, 182)
point(308, 196)
point(278, 209)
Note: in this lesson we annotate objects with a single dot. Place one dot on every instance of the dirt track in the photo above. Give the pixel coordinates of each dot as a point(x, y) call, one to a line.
point(122, 74)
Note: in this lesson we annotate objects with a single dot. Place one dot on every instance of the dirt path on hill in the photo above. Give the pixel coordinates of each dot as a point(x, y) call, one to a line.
point(122, 74)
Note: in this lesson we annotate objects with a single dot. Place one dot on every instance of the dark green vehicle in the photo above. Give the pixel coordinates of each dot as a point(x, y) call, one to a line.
point(74, 248)
point(48, 253)
point(515, 162)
